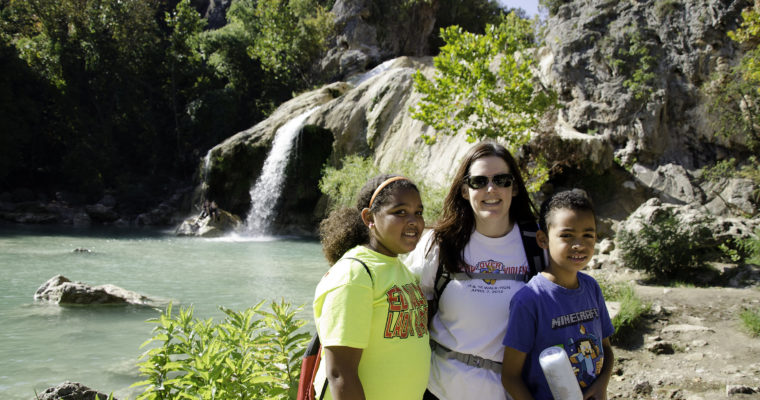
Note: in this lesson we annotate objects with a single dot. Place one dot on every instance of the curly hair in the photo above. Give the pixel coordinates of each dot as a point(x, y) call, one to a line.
point(454, 228)
point(575, 200)
point(344, 229)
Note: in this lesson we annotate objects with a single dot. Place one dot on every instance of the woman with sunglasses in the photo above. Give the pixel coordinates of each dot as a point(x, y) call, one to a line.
point(476, 250)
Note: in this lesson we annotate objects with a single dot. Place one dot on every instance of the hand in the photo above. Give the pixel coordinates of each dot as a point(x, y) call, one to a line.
point(596, 392)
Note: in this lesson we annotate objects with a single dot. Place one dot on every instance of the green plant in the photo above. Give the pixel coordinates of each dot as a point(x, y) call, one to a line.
point(484, 84)
point(663, 8)
point(342, 185)
point(751, 320)
point(641, 80)
point(632, 308)
point(749, 248)
point(249, 355)
point(667, 248)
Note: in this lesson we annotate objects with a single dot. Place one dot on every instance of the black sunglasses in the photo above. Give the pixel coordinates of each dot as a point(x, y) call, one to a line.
point(480, 181)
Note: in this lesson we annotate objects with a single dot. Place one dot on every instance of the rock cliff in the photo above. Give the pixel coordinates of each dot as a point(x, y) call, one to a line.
point(623, 140)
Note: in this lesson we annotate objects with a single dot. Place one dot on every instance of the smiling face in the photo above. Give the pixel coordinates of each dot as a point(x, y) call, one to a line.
point(396, 228)
point(490, 204)
point(570, 240)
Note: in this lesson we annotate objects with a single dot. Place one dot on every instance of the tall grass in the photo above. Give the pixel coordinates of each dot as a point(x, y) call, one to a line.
point(632, 308)
point(751, 320)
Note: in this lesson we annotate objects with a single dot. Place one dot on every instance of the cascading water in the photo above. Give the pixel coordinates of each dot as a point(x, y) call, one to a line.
point(357, 80)
point(266, 192)
point(204, 174)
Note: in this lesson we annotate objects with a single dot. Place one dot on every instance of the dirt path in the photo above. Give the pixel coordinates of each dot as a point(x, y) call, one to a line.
point(710, 352)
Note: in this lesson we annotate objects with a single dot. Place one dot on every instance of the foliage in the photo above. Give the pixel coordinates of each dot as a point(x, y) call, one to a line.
point(632, 308)
point(552, 5)
point(286, 37)
point(126, 95)
point(635, 61)
point(735, 94)
point(746, 250)
point(664, 8)
point(342, 184)
point(667, 248)
point(472, 16)
point(751, 320)
point(251, 354)
point(467, 93)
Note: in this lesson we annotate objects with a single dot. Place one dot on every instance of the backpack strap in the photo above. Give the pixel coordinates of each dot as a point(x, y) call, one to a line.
point(366, 268)
point(533, 252)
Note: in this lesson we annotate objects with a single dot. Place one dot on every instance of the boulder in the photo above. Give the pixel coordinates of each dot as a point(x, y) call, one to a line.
point(63, 291)
point(672, 182)
point(733, 196)
point(722, 228)
point(71, 391)
point(208, 226)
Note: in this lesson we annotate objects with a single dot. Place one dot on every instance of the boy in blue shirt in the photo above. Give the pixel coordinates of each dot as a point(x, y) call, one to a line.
point(560, 307)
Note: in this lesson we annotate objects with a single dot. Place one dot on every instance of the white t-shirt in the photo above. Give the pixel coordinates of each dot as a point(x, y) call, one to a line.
point(472, 314)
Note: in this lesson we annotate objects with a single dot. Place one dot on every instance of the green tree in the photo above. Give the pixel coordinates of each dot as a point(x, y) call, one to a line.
point(284, 37)
point(469, 93)
point(484, 85)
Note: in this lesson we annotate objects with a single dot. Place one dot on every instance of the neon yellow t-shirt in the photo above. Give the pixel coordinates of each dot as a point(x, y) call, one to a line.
point(387, 319)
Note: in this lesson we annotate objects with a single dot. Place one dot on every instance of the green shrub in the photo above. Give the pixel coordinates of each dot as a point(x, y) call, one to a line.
point(749, 248)
point(253, 354)
point(342, 185)
point(667, 248)
point(632, 308)
point(751, 320)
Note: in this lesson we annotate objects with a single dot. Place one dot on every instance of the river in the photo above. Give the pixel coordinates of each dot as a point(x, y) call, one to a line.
point(42, 345)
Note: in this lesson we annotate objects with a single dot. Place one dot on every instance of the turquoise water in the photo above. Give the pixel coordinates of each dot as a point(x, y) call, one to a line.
point(42, 345)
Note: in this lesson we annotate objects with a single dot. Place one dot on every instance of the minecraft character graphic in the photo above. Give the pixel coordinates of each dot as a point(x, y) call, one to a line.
point(585, 361)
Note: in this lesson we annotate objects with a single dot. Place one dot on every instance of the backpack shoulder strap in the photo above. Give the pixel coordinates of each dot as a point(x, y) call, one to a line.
point(366, 268)
point(534, 253)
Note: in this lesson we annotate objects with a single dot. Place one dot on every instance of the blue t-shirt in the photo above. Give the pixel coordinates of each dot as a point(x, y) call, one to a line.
point(544, 314)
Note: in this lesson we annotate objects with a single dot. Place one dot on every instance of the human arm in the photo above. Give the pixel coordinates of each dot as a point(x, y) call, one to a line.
point(511, 374)
point(342, 364)
point(598, 389)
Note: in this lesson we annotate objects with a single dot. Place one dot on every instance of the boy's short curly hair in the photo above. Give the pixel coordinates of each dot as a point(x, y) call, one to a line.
point(344, 229)
point(575, 200)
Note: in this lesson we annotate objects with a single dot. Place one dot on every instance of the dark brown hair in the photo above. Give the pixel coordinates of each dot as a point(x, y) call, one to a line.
point(575, 200)
point(344, 229)
point(453, 230)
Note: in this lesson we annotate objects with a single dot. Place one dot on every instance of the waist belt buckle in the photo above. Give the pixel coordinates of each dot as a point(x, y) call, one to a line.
point(476, 361)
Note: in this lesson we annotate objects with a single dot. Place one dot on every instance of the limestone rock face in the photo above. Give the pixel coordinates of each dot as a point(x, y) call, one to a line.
point(62, 291)
point(585, 63)
point(372, 31)
point(71, 391)
point(369, 115)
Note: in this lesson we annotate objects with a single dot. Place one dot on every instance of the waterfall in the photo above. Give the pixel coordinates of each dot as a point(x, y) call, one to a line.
point(357, 80)
point(204, 174)
point(266, 192)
